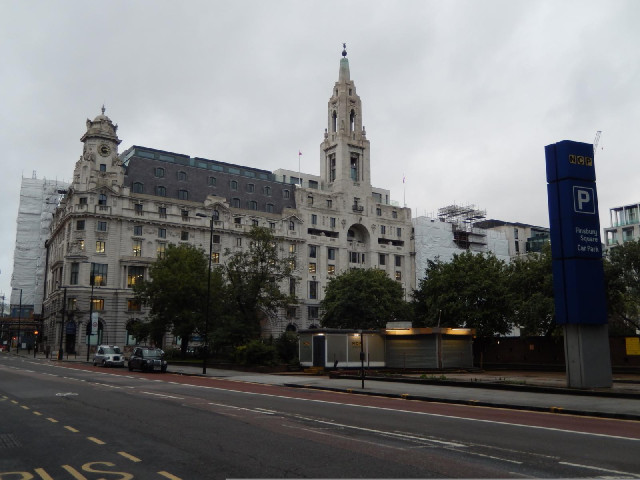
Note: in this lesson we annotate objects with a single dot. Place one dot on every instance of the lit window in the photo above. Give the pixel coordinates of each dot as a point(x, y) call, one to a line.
point(331, 269)
point(292, 248)
point(99, 274)
point(100, 246)
point(161, 249)
point(135, 274)
point(398, 275)
point(137, 248)
point(98, 304)
point(312, 268)
point(133, 305)
point(215, 257)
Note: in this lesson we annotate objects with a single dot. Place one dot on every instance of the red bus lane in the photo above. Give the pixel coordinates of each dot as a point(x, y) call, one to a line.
point(548, 420)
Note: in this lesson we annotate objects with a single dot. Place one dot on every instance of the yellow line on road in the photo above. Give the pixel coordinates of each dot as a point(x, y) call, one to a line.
point(129, 456)
point(169, 476)
point(44, 475)
point(14, 401)
point(37, 413)
point(52, 420)
point(25, 407)
point(71, 429)
point(96, 440)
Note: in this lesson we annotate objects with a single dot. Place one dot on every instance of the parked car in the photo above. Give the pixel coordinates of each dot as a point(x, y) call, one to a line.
point(108, 356)
point(147, 359)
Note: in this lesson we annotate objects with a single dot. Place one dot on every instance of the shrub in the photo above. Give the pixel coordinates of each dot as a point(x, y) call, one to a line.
point(256, 352)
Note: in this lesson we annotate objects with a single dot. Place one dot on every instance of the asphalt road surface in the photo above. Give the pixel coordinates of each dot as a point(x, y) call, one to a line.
point(81, 422)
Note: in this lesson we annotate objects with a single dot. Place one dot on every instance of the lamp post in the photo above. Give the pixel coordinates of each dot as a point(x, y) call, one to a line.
point(62, 325)
point(19, 322)
point(206, 317)
point(89, 324)
point(362, 357)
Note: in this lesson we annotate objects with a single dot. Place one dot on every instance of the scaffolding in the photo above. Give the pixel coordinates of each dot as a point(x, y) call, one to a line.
point(462, 219)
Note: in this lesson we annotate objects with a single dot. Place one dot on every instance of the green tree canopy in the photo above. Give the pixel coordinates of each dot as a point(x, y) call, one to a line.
point(531, 284)
point(363, 299)
point(254, 279)
point(622, 279)
point(471, 290)
point(176, 292)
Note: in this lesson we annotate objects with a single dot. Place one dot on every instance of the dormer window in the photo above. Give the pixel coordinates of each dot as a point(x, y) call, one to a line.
point(182, 175)
point(138, 187)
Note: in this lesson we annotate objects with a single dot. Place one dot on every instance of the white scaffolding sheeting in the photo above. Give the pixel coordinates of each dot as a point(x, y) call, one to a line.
point(38, 200)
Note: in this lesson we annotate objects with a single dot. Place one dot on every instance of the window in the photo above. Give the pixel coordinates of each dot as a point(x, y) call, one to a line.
point(313, 251)
point(137, 248)
point(160, 250)
point(292, 225)
point(292, 312)
point(329, 203)
point(99, 274)
point(310, 200)
point(182, 175)
point(215, 239)
point(184, 214)
point(251, 187)
point(398, 275)
point(286, 194)
point(233, 185)
point(379, 211)
point(138, 187)
point(159, 172)
point(398, 232)
point(253, 205)
point(383, 259)
point(292, 286)
point(72, 304)
point(82, 201)
point(312, 268)
point(235, 202)
point(313, 184)
point(102, 226)
point(100, 246)
point(313, 290)
point(135, 274)
point(138, 208)
point(137, 230)
point(332, 160)
point(211, 181)
point(103, 167)
point(216, 215)
point(239, 242)
point(255, 222)
point(267, 190)
point(237, 220)
point(331, 269)
point(133, 305)
point(292, 248)
point(161, 191)
point(269, 208)
point(398, 260)
point(292, 263)
point(102, 199)
point(332, 222)
point(354, 168)
point(312, 312)
point(383, 229)
point(80, 225)
point(184, 236)
point(331, 253)
point(75, 270)
point(183, 194)
point(162, 233)
point(81, 245)
point(272, 225)
point(295, 181)
point(394, 214)
point(215, 257)
point(314, 219)
point(162, 212)
point(98, 304)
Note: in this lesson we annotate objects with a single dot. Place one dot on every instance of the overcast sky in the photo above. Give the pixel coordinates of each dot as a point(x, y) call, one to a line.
point(458, 96)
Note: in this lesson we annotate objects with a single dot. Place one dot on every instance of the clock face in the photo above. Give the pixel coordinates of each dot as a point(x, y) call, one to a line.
point(104, 149)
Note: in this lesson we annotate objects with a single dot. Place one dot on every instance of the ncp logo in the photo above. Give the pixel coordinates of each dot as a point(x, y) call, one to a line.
point(584, 200)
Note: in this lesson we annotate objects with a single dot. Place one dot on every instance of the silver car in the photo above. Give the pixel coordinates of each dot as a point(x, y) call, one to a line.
point(108, 356)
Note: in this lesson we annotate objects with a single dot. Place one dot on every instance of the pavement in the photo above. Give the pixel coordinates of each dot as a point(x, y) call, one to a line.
point(522, 390)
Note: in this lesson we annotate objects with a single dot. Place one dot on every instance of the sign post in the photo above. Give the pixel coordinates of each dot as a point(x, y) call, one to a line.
point(578, 275)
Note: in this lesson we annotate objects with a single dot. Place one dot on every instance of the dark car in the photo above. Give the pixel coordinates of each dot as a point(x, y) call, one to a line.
point(147, 359)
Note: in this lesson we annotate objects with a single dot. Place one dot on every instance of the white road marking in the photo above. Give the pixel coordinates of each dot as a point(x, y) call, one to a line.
point(163, 395)
point(616, 472)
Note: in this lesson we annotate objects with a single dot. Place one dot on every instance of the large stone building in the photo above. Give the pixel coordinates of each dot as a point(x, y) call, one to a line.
point(123, 209)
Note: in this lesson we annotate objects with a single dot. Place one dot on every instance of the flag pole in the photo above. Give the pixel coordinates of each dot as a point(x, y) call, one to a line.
point(299, 171)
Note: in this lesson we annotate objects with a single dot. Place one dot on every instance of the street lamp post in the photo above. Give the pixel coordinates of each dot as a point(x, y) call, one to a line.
point(19, 322)
point(62, 323)
point(206, 317)
point(89, 324)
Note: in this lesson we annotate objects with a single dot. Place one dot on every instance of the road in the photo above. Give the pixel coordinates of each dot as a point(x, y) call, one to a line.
point(80, 422)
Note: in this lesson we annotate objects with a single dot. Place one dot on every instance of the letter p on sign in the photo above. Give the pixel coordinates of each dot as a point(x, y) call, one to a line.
point(584, 200)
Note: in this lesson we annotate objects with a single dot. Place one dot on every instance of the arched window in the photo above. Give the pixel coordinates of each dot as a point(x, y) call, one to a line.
point(138, 187)
point(233, 184)
point(267, 190)
point(102, 199)
point(292, 225)
point(183, 194)
point(235, 202)
point(212, 181)
point(286, 193)
point(253, 205)
point(161, 191)
point(352, 121)
point(216, 215)
point(269, 208)
point(182, 175)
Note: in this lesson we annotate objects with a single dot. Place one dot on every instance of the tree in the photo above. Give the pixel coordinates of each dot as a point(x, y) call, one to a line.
point(363, 299)
point(176, 293)
point(254, 278)
point(471, 291)
point(531, 284)
point(622, 283)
